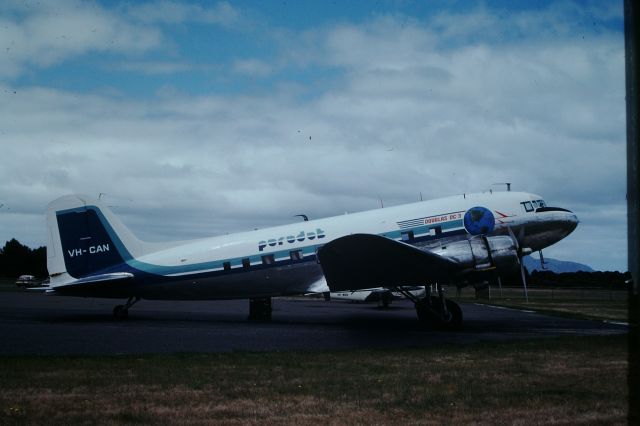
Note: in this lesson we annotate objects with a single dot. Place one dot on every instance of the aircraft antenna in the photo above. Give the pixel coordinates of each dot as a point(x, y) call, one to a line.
point(303, 216)
point(507, 184)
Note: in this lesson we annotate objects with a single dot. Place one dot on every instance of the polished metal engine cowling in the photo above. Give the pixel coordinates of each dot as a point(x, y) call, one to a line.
point(479, 253)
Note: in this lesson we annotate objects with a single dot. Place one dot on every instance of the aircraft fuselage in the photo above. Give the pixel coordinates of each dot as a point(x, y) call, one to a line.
point(281, 260)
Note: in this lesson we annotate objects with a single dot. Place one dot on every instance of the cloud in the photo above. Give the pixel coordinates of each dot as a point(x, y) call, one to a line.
point(504, 112)
point(170, 12)
point(48, 33)
point(155, 67)
point(252, 67)
point(412, 107)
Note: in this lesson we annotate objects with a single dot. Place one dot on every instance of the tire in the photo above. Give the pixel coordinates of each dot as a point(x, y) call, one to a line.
point(455, 320)
point(427, 316)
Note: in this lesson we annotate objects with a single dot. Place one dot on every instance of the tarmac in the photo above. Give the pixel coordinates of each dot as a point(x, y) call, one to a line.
point(39, 324)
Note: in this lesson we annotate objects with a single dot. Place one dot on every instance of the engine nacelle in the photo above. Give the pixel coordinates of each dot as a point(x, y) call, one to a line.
point(480, 253)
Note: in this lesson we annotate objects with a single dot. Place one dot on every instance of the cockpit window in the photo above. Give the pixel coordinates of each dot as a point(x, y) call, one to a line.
point(527, 206)
point(541, 203)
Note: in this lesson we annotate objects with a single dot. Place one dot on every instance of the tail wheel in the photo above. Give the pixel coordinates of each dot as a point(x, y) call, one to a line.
point(122, 311)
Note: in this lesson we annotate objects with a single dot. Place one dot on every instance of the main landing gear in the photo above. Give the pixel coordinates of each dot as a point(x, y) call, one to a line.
point(122, 311)
point(260, 309)
point(435, 309)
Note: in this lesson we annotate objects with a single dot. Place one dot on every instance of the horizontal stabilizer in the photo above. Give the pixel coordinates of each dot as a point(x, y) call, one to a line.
point(96, 283)
point(362, 261)
point(100, 278)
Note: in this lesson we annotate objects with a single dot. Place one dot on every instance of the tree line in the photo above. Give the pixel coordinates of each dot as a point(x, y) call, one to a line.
point(17, 259)
point(609, 279)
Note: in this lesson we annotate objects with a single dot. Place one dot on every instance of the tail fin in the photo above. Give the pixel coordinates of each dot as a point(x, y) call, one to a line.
point(85, 238)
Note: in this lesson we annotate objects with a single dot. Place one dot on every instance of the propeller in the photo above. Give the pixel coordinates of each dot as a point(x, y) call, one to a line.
point(520, 256)
point(524, 281)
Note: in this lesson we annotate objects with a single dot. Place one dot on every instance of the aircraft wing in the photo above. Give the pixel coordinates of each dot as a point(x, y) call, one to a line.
point(361, 261)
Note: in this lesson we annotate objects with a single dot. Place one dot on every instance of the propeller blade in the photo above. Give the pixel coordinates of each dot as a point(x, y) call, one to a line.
point(524, 281)
point(520, 256)
point(513, 237)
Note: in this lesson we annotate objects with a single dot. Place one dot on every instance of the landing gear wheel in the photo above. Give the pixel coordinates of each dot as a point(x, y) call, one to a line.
point(430, 311)
point(454, 321)
point(120, 312)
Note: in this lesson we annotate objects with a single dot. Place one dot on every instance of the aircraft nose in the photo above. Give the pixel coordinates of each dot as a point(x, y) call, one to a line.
point(571, 221)
point(565, 221)
point(560, 222)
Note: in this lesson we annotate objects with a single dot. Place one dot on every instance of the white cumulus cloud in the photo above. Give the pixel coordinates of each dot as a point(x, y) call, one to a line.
point(45, 33)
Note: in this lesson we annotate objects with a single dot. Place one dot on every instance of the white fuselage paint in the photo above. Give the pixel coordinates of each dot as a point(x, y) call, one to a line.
point(380, 222)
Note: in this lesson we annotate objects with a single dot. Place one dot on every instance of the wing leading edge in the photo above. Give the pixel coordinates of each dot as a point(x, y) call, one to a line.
point(361, 261)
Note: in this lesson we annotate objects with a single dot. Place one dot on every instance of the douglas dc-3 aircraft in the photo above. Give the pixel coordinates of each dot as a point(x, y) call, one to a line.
point(449, 241)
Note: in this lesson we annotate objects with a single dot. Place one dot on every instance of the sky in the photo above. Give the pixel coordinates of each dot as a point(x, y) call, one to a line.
point(194, 119)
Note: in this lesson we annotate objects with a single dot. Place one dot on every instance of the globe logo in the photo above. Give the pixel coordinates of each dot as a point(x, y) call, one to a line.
point(479, 221)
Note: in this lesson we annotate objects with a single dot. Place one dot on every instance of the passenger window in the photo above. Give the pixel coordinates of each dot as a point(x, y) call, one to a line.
point(268, 259)
point(407, 236)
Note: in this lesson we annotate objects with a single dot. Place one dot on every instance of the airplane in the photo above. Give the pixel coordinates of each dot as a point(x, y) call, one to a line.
point(455, 240)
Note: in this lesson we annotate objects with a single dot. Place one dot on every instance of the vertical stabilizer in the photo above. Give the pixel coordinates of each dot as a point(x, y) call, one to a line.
point(86, 238)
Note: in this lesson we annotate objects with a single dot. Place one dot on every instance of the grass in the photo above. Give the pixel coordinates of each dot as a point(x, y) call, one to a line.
point(582, 303)
point(578, 380)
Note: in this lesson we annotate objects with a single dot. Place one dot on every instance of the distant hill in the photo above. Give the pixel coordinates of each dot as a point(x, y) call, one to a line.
point(554, 265)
